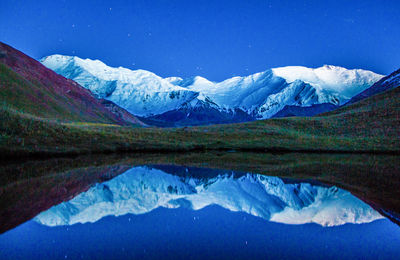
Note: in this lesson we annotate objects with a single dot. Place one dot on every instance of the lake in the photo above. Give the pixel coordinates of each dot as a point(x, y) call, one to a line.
point(154, 206)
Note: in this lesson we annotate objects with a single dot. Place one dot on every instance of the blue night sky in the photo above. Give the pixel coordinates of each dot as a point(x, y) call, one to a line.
point(214, 39)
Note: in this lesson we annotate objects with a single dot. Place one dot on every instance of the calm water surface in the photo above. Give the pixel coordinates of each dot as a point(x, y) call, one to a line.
point(177, 212)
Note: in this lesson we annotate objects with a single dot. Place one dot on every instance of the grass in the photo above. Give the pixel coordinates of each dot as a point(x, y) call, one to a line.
point(88, 124)
point(45, 100)
point(37, 119)
point(371, 125)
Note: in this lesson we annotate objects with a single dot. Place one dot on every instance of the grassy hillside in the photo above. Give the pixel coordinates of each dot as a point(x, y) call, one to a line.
point(371, 125)
point(33, 98)
point(28, 87)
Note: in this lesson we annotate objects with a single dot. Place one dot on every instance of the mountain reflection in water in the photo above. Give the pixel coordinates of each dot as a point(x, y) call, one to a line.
point(143, 189)
point(174, 212)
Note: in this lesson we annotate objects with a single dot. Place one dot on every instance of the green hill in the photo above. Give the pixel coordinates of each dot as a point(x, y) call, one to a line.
point(371, 125)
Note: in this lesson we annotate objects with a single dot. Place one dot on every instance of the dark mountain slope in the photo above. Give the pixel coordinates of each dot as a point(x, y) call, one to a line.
point(313, 110)
point(203, 113)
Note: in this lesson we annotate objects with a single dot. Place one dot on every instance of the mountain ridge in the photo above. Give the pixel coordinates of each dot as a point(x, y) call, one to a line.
point(260, 95)
point(128, 89)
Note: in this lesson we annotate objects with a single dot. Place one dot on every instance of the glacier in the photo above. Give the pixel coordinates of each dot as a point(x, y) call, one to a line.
point(260, 95)
point(142, 189)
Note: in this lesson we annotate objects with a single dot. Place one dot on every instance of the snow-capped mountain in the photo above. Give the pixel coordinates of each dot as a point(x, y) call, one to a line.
point(142, 189)
point(330, 81)
point(141, 92)
point(389, 82)
point(260, 95)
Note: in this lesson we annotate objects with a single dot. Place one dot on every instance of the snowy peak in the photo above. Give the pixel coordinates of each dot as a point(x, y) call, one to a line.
point(141, 92)
point(389, 82)
point(101, 71)
point(174, 80)
point(96, 68)
point(196, 83)
point(240, 92)
point(296, 93)
point(142, 189)
point(331, 79)
point(332, 84)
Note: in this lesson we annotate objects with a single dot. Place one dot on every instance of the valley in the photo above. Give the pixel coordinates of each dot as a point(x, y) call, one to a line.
point(30, 129)
point(199, 129)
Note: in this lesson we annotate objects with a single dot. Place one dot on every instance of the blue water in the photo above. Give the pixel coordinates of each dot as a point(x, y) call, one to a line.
point(210, 232)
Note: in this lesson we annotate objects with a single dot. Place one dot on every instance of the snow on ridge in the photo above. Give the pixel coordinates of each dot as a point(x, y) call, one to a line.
point(334, 79)
point(142, 189)
point(100, 70)
point(333, 84)
point(143, 93)
point(174, 80)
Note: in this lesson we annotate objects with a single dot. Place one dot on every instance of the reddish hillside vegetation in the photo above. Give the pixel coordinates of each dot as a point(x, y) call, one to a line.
point(29, 87)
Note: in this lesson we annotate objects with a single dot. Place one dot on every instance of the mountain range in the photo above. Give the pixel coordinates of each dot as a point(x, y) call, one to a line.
point(143, 189)
point(175, 101)
point(43, 112)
